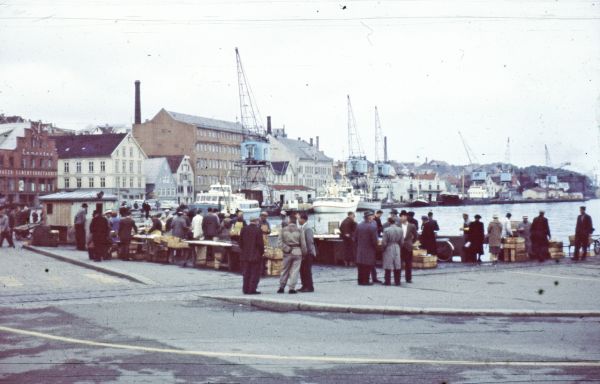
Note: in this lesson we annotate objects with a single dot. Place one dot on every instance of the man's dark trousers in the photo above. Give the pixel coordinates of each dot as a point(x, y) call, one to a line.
point(306, 273)
point(406, 255)
point(251, 271)
point(80, 236)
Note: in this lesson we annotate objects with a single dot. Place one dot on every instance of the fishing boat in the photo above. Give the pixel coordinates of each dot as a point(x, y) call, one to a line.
point(418, 202)
point(367, 203)
point(221, 197)
point(337, 199)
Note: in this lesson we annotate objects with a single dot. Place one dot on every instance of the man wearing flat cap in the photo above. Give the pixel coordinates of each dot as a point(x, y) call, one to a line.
point(475, 240)
point(583, 230)
point(540, 236)
point(365, 239)
point(524, 231)
point(393, 218)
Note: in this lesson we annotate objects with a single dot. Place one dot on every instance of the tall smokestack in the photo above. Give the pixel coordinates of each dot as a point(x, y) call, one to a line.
point(311, 141)
point(317, 142)
point(138, 106)
point(269, 125)
point(385, 156)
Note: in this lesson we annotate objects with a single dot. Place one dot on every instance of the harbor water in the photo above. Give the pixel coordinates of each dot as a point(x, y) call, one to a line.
point(561, 216)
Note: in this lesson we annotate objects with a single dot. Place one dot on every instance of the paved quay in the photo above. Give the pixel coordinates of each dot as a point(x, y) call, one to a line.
point(525, 289)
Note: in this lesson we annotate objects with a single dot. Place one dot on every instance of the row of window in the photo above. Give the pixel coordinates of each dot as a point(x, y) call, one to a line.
point(26, 185)
point(219, 134)
point(92, 182)
point(217, 148)
point(28, 163)
point(130, 150)
point(314, 170)
point(214, 164)
point(91, 167)
point(208, 180)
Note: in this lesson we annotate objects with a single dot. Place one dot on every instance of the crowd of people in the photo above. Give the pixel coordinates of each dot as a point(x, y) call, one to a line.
point(11, 218)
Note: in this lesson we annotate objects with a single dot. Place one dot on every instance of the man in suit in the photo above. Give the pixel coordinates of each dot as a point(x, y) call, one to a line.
point(210, 225)
point(251, 257)
point(409, 236)
point(347, 229)
point(475, 238)
point(307, 245)
point(365, 239)
point(126, 225)
point(393, 218)
point(99, 229)
point(428, 236)
point(377, 221)
point(540, 234)
point(583, 230)
point(80, 227)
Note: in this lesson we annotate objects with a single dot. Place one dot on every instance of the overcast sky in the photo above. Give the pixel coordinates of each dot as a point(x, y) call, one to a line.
point(528, 70)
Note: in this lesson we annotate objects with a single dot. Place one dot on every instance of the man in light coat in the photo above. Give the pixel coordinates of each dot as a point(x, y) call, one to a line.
point(289, 242)
point(197, 225)
point(365, 239)
point(80, 218)
point(409, 236)
point(307, 245)
point(507, 226)
point(495, 231)
point(524, 230)
point(5, 230)
point(391, 242)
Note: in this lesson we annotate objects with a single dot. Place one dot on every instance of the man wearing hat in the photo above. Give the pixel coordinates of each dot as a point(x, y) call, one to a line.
point(126, 225)
point(583, 230)
point(540, 235)
point(210, 225)
point(495, 230)
point(252, 249)
point(80, 227)
point(99, 229)
point(428, 235)
point(347, 230)
point(475, 238)
point(412, 220)
point(365, 239)
point(393, 216)
point(524, 231)
point(409, 236)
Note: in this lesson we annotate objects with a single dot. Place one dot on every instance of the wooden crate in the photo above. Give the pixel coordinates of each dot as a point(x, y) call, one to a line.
point(424, 262)
point(514, 240)
point(273, 253)
point(274, 267)
point(419, 253)
point(514, 255)
point(556, 255)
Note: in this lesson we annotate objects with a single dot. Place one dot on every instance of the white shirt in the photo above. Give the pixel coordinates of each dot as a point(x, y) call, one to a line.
point(404, 230)
point(506, 227)
point(197, 226)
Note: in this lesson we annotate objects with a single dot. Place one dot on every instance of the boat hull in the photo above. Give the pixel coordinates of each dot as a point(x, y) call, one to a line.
point(368, 205)
point(334, 208)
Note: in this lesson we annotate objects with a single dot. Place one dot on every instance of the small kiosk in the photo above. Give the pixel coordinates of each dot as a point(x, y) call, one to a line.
point(60, 209)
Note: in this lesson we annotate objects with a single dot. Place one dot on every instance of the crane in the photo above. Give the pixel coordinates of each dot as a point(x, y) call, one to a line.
point(249, 113)
point(507, 152)
point(470, 154)
point(354, 147)
point(379, 147)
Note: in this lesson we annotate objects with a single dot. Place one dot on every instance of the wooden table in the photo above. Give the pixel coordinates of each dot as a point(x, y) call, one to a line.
point(203, 258)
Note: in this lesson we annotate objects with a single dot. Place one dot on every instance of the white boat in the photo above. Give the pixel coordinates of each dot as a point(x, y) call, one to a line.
point(337, 199)
point(367, 203)
point(221, 196)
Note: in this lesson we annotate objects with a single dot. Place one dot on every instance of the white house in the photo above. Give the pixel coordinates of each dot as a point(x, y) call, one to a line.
point(108, 162)
point(182, 171)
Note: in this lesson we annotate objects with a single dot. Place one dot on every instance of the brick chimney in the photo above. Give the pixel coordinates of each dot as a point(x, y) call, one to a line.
point(138, 106)
point(269, 125)
point(317, 143)
point(311, 141)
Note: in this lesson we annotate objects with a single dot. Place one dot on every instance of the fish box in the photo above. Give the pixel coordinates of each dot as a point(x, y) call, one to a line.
point(424, 262)
point(273, 253)
point(274, 267)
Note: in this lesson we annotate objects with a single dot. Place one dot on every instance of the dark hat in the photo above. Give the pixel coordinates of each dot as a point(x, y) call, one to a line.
point(368, 213)
point(403, 213)
point(477, 216)
point(394, 211)
point(84, 205)
point(582, 207)
point(411, 213)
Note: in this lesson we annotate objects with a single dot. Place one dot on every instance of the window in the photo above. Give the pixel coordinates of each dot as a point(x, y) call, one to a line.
point(117, 166)
point(66, 167)
point(23, 162)
point(123, 151)
point(124, 169)
point(90, 166)
point(139, 183)
point(123, 181)
point(131, 182)
point(67, 183)
point(102, 182)
point(78, 167)
point(49, 208)
point(78, 182)
point(130, 151)
point(32, 186)
point(130, 166)
point(118, 182)
point(90, 182)
point(103, 166)
point(140, 166)
point(11, 162)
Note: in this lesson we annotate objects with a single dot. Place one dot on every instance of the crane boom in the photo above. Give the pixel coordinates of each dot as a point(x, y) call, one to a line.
point(354, 147)
point(249, 113)
point(379, 147)
point(470, 155)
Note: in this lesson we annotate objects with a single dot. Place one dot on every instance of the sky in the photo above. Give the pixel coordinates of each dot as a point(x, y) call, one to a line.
point(493, 70)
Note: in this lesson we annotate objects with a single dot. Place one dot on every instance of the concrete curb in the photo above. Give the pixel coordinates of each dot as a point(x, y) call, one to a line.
point(94, 267)
point(288, 306)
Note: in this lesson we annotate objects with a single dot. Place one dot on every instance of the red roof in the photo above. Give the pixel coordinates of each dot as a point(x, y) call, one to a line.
point(426, 176)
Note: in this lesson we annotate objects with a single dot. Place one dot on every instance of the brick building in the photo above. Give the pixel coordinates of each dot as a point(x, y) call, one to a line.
point(28, 161)
point(213, 146)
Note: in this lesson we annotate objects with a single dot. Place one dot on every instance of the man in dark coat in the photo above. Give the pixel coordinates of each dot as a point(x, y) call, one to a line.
point(583, 230)
point(99, 229)
point(126, 225)
point(428, 237)
point(377, 221)
point(412, 220)
point(210, 225)
point(540, 234)
point(347, 229)
point(251, 257)
point(409, 236)
point(146, 209)
point(365, 239)
point(475, 238)
point(80, 227)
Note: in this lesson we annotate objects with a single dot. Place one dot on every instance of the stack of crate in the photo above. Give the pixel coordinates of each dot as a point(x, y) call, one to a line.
point(421, 260)
point(555, 248)
point(515, 249)
point(274, 258)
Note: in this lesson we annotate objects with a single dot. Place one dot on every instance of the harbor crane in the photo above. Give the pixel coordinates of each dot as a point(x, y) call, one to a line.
point(384, 172)
point(357, 166)
point(470, 154)
point(255, 150)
